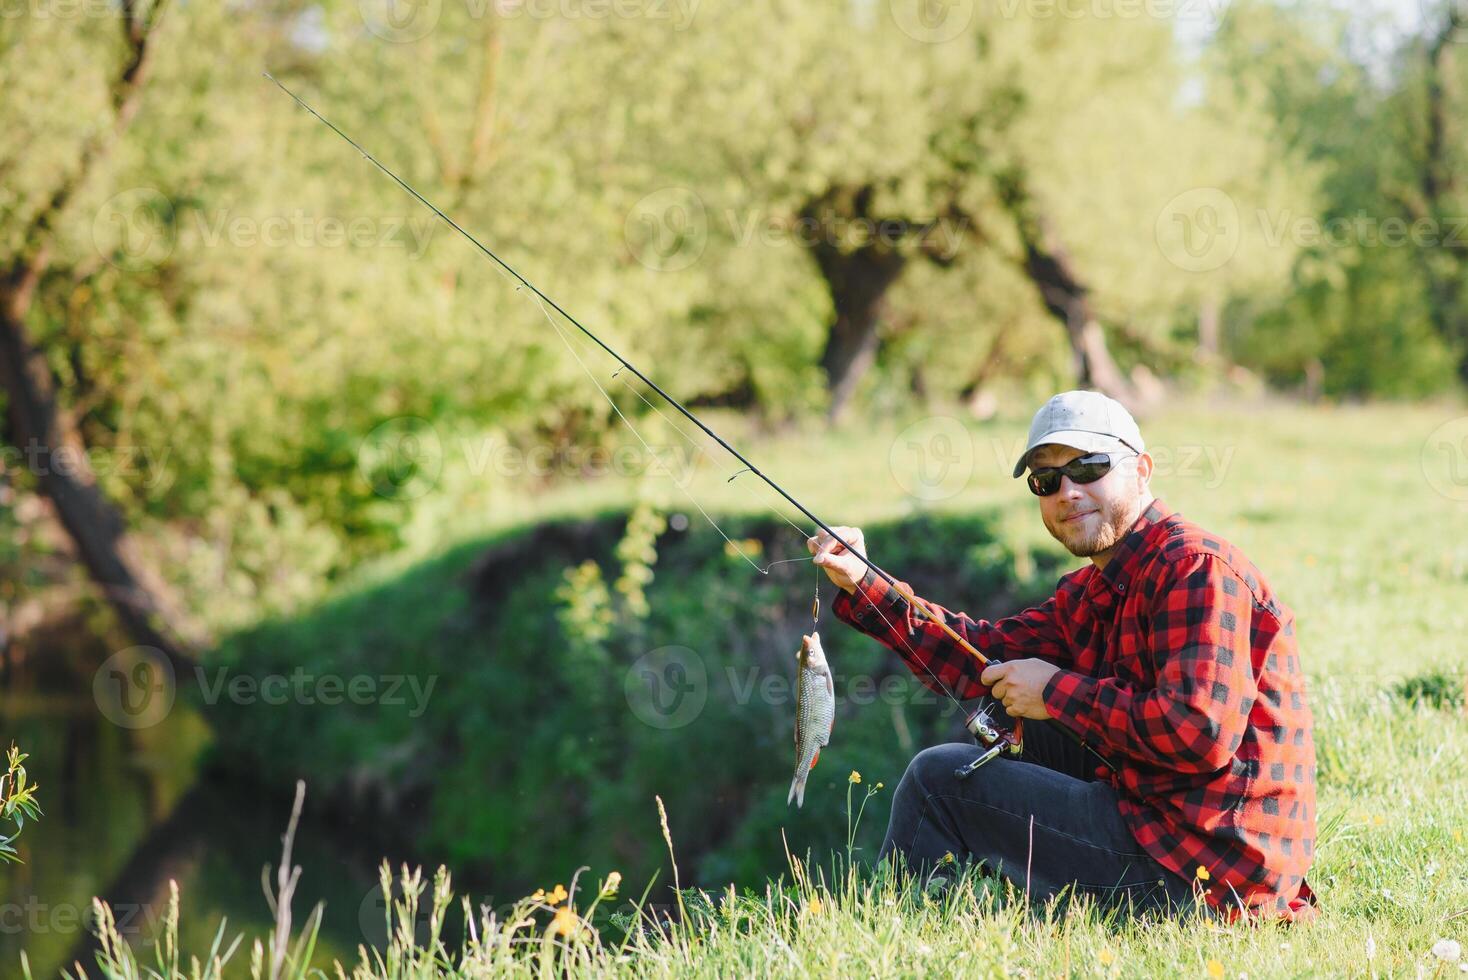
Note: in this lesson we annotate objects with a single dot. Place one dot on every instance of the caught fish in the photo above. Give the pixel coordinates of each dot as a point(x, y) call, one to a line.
point(815, 712)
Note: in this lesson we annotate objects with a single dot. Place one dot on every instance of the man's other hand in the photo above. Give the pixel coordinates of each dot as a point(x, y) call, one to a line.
point(842, 567)
point(1020, 686)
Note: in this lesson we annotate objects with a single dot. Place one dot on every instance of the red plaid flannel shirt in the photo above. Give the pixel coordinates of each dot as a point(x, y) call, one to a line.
point(1180, 665)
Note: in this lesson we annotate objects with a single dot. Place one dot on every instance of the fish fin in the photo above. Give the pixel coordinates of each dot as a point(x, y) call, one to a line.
point(830, 685)
point(797, 791)
point(814, 759)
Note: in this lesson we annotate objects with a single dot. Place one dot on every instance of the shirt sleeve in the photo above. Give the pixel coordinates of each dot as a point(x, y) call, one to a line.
point(877, 610)
point(1193, 720)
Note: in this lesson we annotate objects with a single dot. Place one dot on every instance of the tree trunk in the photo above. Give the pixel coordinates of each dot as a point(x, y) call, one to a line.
point(858, 284)
point(857, 276)
point(46, 436)
point(56, 455)
point(861, 254)
point(1065, 295)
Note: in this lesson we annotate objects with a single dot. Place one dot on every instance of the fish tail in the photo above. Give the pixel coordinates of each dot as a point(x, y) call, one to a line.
point(797, 790)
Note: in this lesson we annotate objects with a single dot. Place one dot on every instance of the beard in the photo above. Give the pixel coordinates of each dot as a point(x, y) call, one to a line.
point(1097, 532)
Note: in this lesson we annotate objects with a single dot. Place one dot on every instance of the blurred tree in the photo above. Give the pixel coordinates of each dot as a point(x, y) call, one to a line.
point(869, 139)
point(1376, 307)
point(39, 425)
point(757, 201)
point(1439, 157)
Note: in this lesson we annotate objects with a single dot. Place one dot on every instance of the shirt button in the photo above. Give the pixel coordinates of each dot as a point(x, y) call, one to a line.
point(1121, 586)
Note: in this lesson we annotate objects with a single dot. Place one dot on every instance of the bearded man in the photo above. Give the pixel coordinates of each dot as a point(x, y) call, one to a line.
point(1168, 655)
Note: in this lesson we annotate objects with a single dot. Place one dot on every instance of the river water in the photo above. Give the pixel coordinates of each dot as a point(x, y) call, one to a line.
point(126, 810)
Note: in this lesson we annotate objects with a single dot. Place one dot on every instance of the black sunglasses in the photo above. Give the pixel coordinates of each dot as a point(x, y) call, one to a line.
point(1083, 469)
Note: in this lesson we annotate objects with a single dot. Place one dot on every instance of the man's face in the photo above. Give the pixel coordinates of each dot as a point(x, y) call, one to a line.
point(1090, 518)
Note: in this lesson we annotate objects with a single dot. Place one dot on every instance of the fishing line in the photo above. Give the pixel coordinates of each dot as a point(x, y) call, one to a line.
point(700, 449)
point(542, 301)
point(628, 422)
point(815, 610)
point(628, 365)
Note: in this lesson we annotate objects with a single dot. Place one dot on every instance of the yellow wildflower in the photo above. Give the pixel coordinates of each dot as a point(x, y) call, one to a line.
point(1215, 969)
point(855, 777)
point(1458, 836)
point(1378, 820)
point(609, 887)
point(815, 906)
point(566, 922)
point(1107, 957)
point(948, 858)
point(557, 895)
point(1202, 873)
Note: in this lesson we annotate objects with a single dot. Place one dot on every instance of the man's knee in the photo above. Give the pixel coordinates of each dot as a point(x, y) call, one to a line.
point(932, 769)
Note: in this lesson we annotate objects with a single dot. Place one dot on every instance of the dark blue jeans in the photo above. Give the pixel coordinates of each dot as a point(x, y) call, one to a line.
point(1042, 821)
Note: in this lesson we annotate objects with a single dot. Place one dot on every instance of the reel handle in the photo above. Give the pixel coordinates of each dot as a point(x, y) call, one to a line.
point(994, 739)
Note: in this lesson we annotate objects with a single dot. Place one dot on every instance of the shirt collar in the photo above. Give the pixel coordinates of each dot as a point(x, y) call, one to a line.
point(1132, 548)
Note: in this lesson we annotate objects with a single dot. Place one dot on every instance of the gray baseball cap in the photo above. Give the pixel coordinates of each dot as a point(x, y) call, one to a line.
point(1084, 420)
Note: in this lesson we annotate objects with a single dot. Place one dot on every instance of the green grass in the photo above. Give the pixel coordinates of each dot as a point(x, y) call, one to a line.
point(1338, 507)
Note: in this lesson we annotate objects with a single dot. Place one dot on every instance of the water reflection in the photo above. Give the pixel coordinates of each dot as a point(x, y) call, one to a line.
point(128, 809)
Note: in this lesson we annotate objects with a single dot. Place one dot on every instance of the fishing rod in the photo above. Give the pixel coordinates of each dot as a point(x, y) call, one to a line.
point(978, 722)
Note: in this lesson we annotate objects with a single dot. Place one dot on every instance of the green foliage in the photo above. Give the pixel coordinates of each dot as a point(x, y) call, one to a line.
point(1360, 311)
point(586, 615)
point(1434, 689)
point(637, 552)
point(297, 366)
point(585, 718)
point(17, 803)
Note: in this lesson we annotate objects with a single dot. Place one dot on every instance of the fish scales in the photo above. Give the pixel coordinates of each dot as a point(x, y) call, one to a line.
point(815, 712)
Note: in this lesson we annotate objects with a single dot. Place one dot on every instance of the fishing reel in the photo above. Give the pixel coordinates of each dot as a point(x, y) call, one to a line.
point(995, 740)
